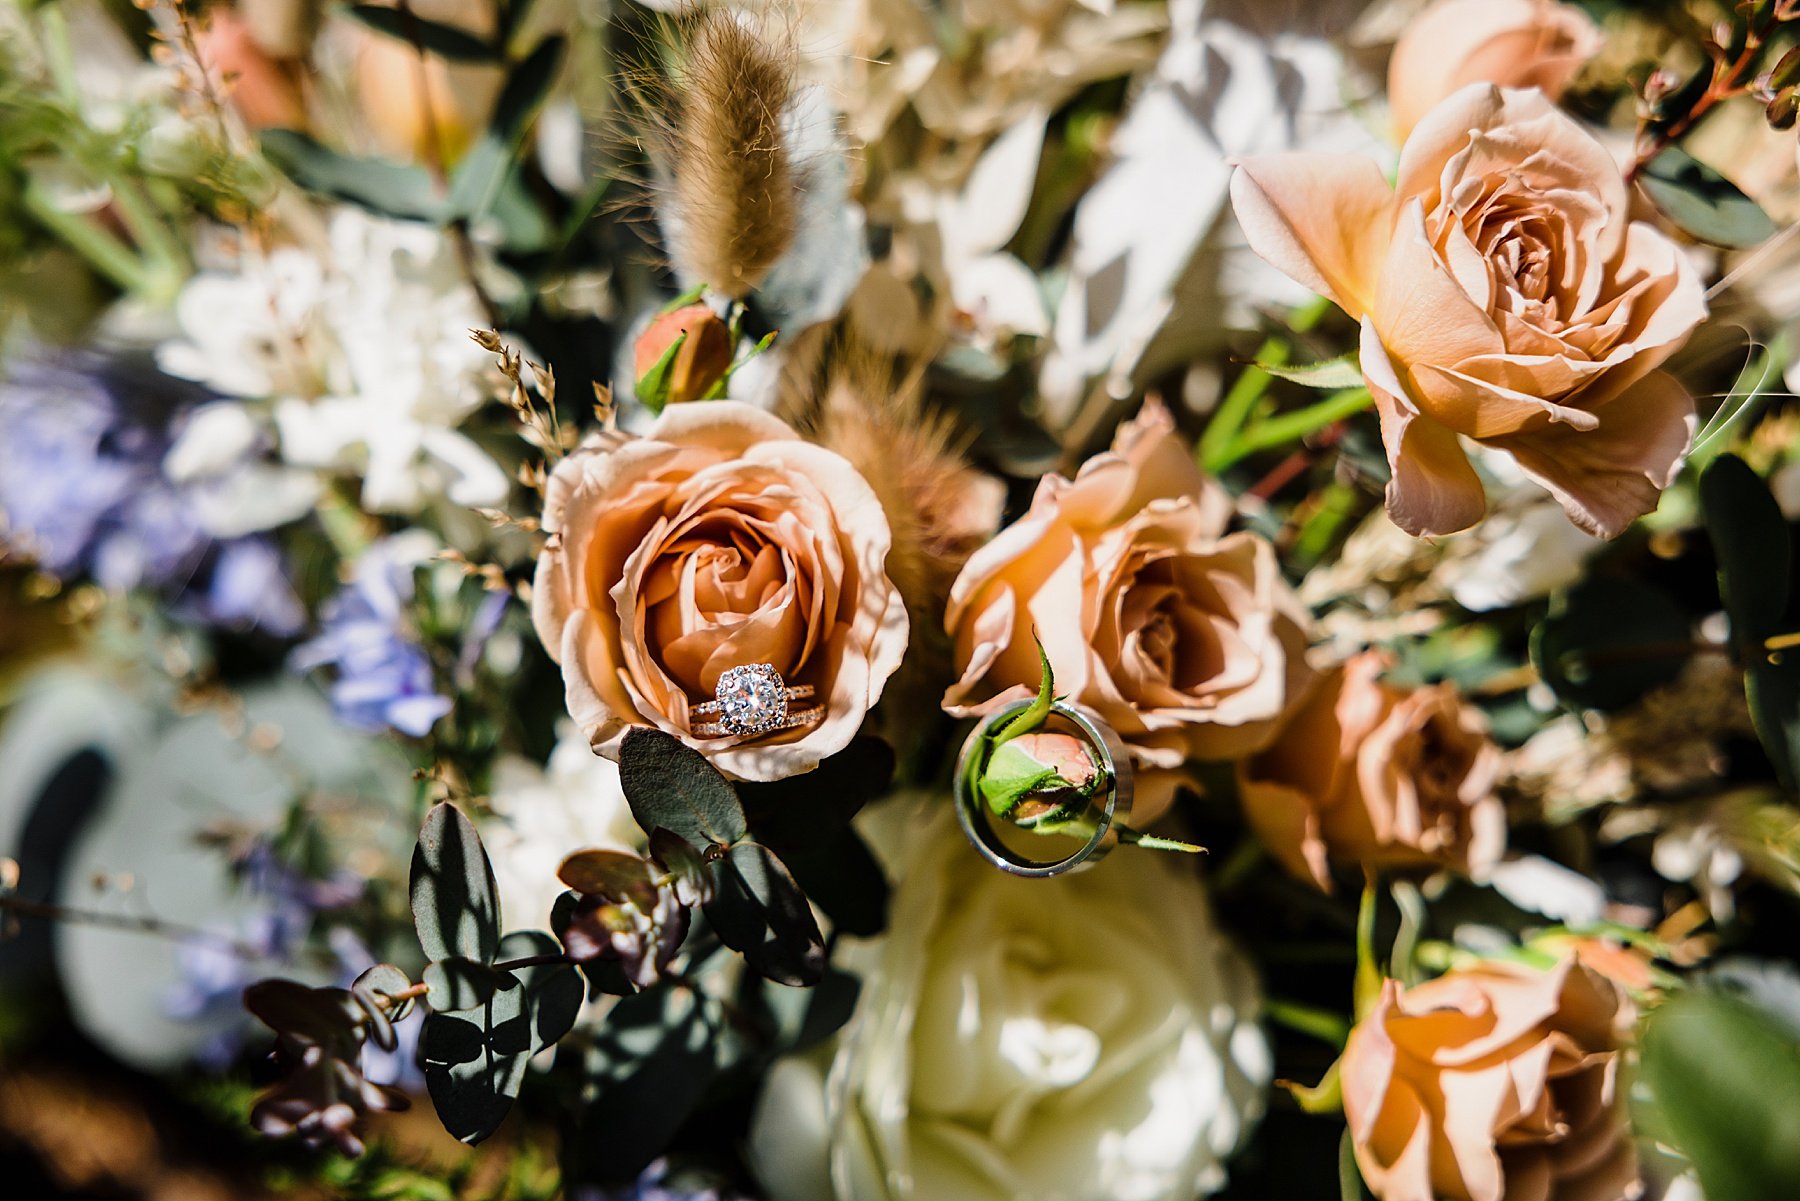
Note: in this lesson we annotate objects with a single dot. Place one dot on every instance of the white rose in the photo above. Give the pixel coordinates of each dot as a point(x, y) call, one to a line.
point(1087, 1037)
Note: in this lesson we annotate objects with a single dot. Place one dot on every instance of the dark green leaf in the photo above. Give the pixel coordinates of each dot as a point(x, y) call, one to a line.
point(483, 171)
point(693, 879)
point(808, 810)
point(1609, 641)
point(1725, 1079)
point(1755, 552)
point(553, 991)
point(370, 991)
point(805, 1017)
point(842, 877)
point(392, 189)
point(671, 785)
point(1703, 202)
point(1751, 541)
point(652, 1062)
point(456, 909)
point(475, 1062)
point(758, 910)
point(447, 41)
point(461, 983)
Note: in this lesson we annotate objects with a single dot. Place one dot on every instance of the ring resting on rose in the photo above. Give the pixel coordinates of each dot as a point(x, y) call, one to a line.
point(753, 699)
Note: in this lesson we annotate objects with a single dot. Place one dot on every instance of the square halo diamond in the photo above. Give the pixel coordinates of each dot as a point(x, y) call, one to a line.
point(752, 698)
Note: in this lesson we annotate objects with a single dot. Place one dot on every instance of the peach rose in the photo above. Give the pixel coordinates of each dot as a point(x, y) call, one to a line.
point(719, 538)
point(1490, 1082)
point(1511, 43)
point(1505, 296)
point(1368, 773)
point(1188, 643)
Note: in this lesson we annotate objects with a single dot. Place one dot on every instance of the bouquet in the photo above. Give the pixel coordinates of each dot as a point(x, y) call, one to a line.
point(1100, 600)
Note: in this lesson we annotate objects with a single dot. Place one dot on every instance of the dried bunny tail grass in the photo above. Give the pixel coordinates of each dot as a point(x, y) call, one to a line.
point(939, 508)
point(719, 137)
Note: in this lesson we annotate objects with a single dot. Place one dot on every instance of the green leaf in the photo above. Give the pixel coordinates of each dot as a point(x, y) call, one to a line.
point(1027, 720)
point(323, 1017)
point(1010, 775)
point(803, 811)
point(1328, 375)
point(462, 983)
point(392, 189)
point(611, 874)
point(669, 784)
point(652, 387)
point(843, 878)
point(758, 910)
point(1725, 1083)
point(806, 1017)
point(652, 1061)
point(1610, 640)
point(1750, 538)
point(475, 1062)
point(447, 41)
point(693, 879)
point(1755, 552)
point(553, 991)
point(371, 990)
point(1703, 202)
point(455, 906)
point(483, 171)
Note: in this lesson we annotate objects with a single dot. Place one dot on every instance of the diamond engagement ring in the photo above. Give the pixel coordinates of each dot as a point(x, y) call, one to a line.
point(753, 699)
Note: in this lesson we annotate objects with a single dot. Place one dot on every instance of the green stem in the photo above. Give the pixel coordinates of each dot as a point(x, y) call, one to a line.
point(1291, 427)
point(1311, 1020)
point(1221, 433)
point(109, 256)
point(1368, 971)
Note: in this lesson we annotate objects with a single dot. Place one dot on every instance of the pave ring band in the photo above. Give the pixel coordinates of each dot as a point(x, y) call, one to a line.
point(753, 699)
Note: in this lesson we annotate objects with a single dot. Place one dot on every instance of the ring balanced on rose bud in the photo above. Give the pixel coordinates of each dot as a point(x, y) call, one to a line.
point(753, 699)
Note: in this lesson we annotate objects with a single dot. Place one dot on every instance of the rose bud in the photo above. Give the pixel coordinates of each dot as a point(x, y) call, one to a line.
point(681, 355)
point(1510, 43)
point(1041, 778)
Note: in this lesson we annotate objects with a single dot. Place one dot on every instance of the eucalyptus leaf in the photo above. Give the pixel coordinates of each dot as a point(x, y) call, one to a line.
point(803, 811)
point(1328, 375)
point(455, 984)
point(614, 875)
point(1703, 202)
point(391, 189)
point(843, 878)
point(758, 910)
point(652, 1061)
point(553, 991)
point(669, 784)
point(446, 41)
point(455, 905)
point(475, 1063)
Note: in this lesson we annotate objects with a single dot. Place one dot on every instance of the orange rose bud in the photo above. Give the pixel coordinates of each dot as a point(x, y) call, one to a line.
point(701, 360)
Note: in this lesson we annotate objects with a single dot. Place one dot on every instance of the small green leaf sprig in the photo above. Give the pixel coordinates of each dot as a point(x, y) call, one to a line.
point(1047, 782)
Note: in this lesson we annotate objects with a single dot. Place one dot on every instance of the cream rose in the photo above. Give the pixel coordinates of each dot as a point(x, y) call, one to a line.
point(1511, 43)
point(1505, 296)
point(1490, 1083)
point(1088, 1038)
point(1368, 773)
point(719, 538)
point(1187, 643)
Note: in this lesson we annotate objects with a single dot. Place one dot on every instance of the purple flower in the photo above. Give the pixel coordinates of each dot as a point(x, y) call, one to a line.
point(82, 442)
point(384, 678)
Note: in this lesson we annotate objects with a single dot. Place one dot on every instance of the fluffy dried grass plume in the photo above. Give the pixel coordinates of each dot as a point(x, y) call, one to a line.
point(938, 506)
point(733, 183)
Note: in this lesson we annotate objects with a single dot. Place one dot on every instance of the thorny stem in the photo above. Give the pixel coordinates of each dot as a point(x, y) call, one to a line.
point(156, 927)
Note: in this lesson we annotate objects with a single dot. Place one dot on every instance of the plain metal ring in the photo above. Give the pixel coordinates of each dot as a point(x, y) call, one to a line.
point(973, 814)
